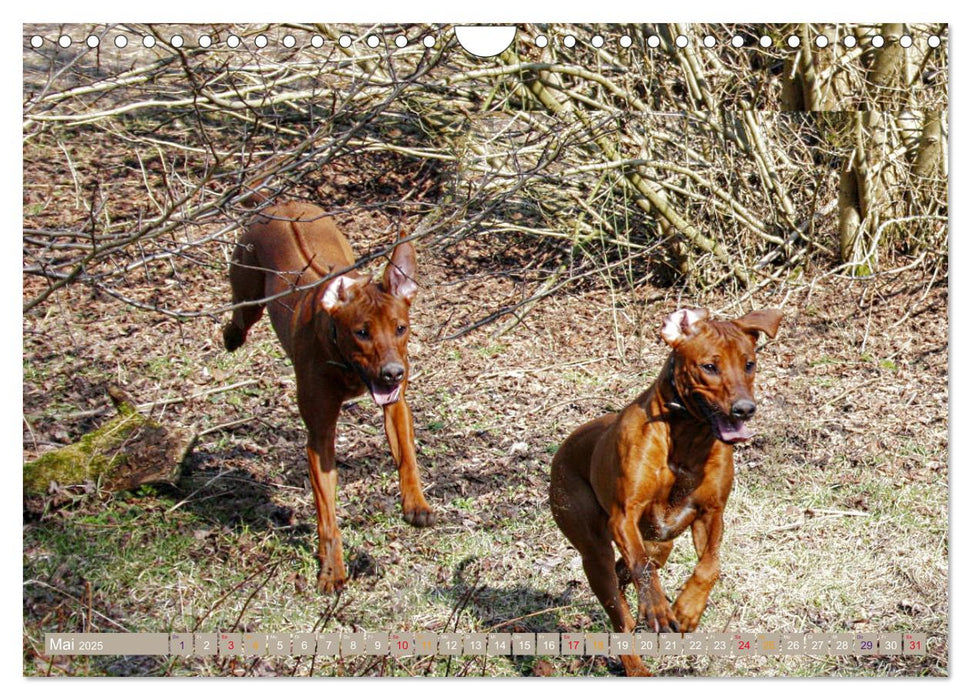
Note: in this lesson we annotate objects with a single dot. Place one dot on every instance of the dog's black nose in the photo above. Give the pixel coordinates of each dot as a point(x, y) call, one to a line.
point(392, 373)
point(743, 409)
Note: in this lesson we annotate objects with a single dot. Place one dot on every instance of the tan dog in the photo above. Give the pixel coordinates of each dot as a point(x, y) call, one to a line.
point(639, 478)
point(345, 337)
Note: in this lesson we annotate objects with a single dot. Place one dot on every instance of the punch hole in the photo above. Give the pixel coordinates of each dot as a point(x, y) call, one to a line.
point(542, 41)
point(401, 41)
point(906, 41)
point(738, 41)
point(233, 41)
point(148, 41)
point(653, 41)
point(36, 41)
point(261, 42)
point(877, 41)
point(934, 41)
point(205, 41)
point(793, 42)
point(64, 41)
point(821, 41)
point(681, 41)
point(373, 41)
point(429, 41)
point(121, 41)
point(487, 41)
point(289, 41)
point(176, 41)
point(849, 41)
point(765, 41)
point(92, 41)
point(316, 41)
point(597, 41)
point(569, 41)
point(626, 41)
point(344, 41)
point(709, 41)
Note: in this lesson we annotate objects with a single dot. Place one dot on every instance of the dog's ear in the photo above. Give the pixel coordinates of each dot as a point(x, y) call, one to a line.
point(682, 324)
point(762, 321)
point(337, 292)
point(399, 275)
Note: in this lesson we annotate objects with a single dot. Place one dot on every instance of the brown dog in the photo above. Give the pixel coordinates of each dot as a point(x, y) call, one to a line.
point(641, 477)
point(344, 336)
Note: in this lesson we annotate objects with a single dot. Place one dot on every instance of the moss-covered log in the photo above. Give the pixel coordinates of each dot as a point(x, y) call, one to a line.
point(126, 452)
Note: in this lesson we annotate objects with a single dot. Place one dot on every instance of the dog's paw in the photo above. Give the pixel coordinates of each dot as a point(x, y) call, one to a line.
point(659, 624)
point(687, 623)
point(658, 617)
point(688, 616)
point(332, 576)
point(632, 666)
point(233, 337)
point(635, 669)
point(419, 517)
point(327, 583)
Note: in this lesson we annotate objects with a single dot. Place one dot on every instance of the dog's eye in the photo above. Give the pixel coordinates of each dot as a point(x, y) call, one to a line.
point(362, 333)
point(710, 368)
point(749, 366)
point(401, 329)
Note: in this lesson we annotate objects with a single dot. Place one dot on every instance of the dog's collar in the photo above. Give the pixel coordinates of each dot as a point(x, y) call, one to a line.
point(677, 403)
point(344, 364)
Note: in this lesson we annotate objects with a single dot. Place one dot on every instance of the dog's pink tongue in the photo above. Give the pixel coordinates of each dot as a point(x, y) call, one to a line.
point(384, 397)
point(732, 431)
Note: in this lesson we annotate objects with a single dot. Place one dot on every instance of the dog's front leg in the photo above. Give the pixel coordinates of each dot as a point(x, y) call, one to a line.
point(322, 431)
point(653, 609)
point(399, 427)
point(706, 532)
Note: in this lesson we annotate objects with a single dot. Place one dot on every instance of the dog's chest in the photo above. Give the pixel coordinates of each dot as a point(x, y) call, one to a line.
point(663, 521)
point(673, 509)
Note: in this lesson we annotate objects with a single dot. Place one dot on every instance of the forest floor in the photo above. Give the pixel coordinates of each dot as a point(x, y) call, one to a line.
point(838, 521)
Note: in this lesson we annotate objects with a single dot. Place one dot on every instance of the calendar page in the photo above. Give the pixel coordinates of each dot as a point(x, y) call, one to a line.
point(462, 350)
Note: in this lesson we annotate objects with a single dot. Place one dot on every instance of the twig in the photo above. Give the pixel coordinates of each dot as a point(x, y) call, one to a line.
point(197, 395)
point(506, 623)
point(250, 597)
point(227, 594)
point(92, 612)
point(223, 426)
point(189, 497)
point(539, 370)
point(853, 389)
point(828, 515)
point(163, 402)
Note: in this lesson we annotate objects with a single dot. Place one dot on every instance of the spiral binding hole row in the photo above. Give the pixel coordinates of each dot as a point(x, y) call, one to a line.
point(568, 41)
